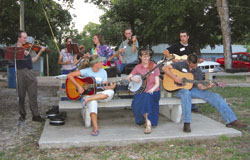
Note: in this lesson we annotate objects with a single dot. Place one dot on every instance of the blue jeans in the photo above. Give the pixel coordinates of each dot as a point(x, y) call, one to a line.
point(67, 71)
point(213, 98)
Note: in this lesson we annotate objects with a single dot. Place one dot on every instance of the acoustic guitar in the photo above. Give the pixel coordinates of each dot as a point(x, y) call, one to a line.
point(89, 85)
point(187, 81)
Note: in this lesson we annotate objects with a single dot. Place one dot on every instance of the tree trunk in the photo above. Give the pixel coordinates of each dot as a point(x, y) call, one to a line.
point(223, 11)
point(197, 49)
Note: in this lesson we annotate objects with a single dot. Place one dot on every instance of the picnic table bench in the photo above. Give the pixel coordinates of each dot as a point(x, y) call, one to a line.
point(170, 107)
point(210, 76)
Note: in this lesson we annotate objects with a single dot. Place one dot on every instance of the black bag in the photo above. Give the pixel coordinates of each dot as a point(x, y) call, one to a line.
point(111, 72)
point(129, 68)
point(52, 112)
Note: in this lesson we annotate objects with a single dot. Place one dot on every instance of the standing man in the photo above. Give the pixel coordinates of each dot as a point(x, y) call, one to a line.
point(182, 48)
point(199, 91)
point(129, 50)
point(27, 81)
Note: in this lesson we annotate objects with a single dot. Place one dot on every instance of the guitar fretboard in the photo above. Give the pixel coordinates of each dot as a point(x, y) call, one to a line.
point(206, 83)
point(95, 85)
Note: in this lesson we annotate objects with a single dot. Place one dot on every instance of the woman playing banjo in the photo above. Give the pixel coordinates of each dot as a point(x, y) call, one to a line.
point(145, 105)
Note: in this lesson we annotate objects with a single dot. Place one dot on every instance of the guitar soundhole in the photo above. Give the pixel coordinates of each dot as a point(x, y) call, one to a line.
point(87, 91)
point(180, 84)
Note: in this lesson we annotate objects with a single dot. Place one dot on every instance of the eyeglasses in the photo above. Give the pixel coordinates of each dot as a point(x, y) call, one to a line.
point(145, 56)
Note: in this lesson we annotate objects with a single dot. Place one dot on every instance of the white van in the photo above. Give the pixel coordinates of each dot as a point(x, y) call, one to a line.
point(210, 66)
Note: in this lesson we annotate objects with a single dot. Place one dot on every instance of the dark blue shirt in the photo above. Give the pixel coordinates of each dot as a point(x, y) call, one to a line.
point(183, 67)
point(25, 63)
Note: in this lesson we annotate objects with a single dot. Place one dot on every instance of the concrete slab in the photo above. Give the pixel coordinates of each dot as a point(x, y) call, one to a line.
point(117, 128)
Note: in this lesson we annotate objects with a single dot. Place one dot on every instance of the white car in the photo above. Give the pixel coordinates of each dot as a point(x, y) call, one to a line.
point(210, 66)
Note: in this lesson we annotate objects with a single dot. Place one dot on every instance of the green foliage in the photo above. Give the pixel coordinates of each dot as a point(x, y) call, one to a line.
point(87, 34)
point(36, 25)
point(159, 21)
point(35, 22)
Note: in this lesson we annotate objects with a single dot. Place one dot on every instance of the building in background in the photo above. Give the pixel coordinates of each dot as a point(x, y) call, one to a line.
point(207, 53)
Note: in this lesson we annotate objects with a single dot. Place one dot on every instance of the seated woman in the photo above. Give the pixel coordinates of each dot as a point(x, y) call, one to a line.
point(101, 49)
point(94, 69)
point(145, 105)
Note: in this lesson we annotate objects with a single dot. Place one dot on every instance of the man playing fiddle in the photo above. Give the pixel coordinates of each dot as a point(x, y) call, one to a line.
point(26, 80)
point(128, 49)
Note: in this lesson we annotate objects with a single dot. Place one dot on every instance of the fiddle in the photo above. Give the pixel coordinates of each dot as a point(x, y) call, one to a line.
point(35, 47)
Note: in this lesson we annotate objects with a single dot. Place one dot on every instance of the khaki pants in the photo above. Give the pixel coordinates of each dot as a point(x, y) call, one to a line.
point(27, 82)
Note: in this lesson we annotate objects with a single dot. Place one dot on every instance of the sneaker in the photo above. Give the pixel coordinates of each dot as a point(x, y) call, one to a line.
point(38, 119)
point(236, 123)
point(186, 128)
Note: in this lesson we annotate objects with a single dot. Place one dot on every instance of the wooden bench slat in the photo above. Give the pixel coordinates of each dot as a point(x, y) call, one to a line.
point(123, 103)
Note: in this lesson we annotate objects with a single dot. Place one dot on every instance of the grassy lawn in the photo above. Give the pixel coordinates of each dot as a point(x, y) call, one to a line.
point(220, 148)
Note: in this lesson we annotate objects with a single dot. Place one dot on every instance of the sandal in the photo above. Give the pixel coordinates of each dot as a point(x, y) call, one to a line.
point(95, 133)
point(83, 102)
point(148, 128)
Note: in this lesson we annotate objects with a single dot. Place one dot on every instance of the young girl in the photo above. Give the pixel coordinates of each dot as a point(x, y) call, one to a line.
point(94, 69)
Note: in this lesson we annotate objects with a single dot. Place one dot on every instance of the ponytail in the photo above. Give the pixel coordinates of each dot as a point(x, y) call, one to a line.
point(85, 64)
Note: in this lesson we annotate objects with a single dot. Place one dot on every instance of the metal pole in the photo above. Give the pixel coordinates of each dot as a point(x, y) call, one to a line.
point(21, 15)
point(47, 58)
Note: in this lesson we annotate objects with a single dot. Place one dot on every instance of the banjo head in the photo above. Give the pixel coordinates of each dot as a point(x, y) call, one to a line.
point(134, 86)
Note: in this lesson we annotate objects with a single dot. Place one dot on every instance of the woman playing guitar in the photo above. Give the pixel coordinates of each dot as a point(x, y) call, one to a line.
point(146, 105)
point(94, 69)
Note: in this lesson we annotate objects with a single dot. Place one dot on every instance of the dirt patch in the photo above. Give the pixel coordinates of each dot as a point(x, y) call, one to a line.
point(47, 97)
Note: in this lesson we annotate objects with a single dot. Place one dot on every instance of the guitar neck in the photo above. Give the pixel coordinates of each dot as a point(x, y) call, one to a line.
point(206, 83)
point(95, 85)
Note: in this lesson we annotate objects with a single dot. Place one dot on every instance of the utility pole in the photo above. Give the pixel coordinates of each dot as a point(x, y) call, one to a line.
point(21, 15)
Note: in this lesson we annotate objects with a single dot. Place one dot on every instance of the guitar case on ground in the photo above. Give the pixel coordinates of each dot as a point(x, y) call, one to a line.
point(59, 119)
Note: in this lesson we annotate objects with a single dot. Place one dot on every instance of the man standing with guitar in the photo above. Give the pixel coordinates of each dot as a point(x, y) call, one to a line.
point(94, 69)
point(181, 50)
point(199, 91)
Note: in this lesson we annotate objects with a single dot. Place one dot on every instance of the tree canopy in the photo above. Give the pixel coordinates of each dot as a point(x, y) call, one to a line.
point(159, 21)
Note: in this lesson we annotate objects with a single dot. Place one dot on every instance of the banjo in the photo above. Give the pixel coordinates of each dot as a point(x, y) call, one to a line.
point(139, 87)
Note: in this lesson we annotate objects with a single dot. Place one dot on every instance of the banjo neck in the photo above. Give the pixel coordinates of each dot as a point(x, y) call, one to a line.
point(158, 65)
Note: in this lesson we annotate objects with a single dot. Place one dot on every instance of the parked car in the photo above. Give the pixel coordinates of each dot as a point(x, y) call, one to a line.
point(209, 66)
point(240, 60)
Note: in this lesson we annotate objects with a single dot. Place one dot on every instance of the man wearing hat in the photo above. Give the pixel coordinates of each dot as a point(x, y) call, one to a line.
point(93, 68)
